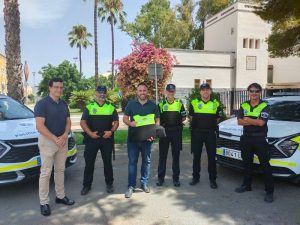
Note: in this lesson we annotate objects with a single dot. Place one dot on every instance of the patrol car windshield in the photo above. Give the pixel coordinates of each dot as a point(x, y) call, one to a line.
point(284, 110)
point(13, 110)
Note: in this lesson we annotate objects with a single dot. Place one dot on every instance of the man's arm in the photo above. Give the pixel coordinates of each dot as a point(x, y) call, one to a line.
point(86, 129)
point(157, 121)
point(63, 138)
point(127, 121)
point(42, 129)
point(254, 122)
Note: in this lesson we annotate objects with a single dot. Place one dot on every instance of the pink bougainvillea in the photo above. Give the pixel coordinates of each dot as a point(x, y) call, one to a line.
point(133, 68)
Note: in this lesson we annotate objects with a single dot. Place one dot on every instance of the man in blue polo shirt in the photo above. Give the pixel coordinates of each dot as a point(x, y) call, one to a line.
point(53, 123)
point(138, 113)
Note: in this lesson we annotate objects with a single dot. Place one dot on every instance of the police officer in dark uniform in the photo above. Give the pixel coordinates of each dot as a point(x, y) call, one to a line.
point(253, 116)
point(99, 121)
point(205, 115)
point(172, 114)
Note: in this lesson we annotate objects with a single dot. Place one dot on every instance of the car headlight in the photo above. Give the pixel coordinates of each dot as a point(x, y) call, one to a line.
point(3, 149)
point(288, 147)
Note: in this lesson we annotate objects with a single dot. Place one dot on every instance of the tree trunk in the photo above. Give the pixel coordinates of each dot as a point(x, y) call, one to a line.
point(112, 53)
point(13, 49)
point(96, 42)
point(80, 61)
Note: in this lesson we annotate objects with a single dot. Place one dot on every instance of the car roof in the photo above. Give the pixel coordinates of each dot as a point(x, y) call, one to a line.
point(283, 98)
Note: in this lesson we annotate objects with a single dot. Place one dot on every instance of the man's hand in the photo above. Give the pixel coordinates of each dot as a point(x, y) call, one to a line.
point(151, 139)
point(132, 124)
point(94, 135)
point(61, 140)
point(107, 134)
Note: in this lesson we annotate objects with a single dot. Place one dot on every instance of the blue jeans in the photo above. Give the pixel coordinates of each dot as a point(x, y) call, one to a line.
point(134, 149)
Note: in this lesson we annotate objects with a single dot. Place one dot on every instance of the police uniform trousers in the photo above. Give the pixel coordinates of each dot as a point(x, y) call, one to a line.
point(90, 153)
point(198, 138)
point(259, 146)
point(173, 137)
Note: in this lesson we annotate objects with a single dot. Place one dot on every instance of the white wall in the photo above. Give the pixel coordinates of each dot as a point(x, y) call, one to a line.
point(220, 31)
point(202, 58)
point(251, 26)
point(216, 66)
point(184, 77)
point(285, 70)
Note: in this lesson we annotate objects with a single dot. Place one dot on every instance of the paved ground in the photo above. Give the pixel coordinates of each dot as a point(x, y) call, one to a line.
point(165, 205)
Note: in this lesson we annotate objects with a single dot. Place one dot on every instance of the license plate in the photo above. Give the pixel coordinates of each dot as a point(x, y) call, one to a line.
point(232, 154)
point(39, 161)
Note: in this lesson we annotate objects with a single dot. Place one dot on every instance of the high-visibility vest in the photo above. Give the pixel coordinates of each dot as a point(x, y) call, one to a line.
point(144, 120)
point(100, 117)
point(209, 107)
point(255, 113)
point(170, 115)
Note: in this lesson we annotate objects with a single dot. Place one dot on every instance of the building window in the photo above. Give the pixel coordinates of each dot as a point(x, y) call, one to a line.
point(197, 83)
point(257, 43)
point(251, 43)
point(250, 62)
point(209, 82)
point(245, 43)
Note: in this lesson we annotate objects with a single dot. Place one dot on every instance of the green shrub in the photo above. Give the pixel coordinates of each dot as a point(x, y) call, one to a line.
point(113, 97)
point(79, 99)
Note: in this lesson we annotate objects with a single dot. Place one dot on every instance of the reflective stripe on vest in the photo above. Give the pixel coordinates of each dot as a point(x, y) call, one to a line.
point(210, 107)
point(256, 110)
point(144, 120)
point(164, 106)
point(95, 110)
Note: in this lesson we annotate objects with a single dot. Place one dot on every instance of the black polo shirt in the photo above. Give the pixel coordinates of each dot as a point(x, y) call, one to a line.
point(252, 130)
point(55, 114)
point(204, 121)
point(134, 107)
point(100, 123)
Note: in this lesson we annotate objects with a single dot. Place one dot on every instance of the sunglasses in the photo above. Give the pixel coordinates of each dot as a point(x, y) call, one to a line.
point(254, 91)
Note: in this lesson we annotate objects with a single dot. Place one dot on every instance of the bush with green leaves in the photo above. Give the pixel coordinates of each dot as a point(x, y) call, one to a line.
point(113, 97)
point(79, 99)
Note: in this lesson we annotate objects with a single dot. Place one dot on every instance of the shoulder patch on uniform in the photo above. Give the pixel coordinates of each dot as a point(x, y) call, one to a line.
point(264, 115)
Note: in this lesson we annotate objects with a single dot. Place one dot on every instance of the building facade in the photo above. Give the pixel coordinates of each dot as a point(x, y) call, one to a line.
point(3, 75)
point(235, 53)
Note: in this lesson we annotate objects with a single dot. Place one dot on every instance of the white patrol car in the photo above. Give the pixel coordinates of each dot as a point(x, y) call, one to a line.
point(283, 138)
point(19, 152)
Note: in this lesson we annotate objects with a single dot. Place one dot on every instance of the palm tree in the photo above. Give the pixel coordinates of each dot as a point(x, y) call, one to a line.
point(79, 37)
point(96, 2)
point(13, 49)
point(112, 12)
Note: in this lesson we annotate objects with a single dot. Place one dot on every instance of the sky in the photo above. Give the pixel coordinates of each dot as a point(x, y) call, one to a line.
point(45, 25)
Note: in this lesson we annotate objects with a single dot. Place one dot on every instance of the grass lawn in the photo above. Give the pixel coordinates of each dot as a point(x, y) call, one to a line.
point(121, 136)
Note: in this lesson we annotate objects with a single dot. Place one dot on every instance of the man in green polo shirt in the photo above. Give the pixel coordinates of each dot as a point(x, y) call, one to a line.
point(139, 113)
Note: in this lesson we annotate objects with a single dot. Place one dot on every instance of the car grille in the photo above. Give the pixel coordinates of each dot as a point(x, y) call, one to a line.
point(71, 143)
point(22, 141)
point(20, 154)
point(8, 176)
point(223, 142)
point(24, 153)
point(32, 172)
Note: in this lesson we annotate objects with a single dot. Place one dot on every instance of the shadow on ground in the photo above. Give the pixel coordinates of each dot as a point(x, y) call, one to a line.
point(163, 206)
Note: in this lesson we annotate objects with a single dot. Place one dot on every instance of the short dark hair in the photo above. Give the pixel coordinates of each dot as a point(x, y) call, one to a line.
point(55, 79)
point(255, 85)
point(142, 84)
